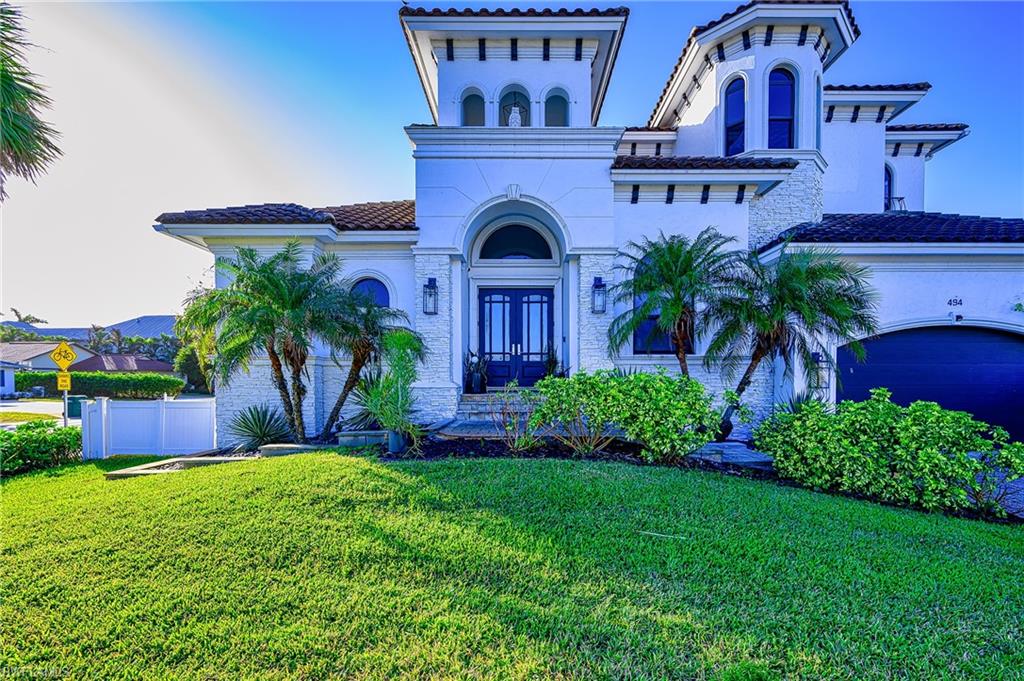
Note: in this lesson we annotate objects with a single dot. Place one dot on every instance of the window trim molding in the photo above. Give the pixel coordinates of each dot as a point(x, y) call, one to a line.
point(507, 221)
point(794, 71)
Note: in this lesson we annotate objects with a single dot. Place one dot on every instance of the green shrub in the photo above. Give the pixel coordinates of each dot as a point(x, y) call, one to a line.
point(134, 385)
point(390, 400)
point(511, 409)
point(670, 416)
point(922, 455)
point(578, 411)
point(38, 444)
point(258, 425)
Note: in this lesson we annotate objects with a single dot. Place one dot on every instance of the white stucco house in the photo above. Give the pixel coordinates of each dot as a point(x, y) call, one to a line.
point(523, 201)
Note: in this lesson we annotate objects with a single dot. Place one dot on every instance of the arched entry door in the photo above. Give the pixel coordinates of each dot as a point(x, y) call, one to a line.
point(970, 369)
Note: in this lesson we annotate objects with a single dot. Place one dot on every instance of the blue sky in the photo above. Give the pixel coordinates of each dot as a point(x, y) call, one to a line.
point(338, 77)
point(190, 105)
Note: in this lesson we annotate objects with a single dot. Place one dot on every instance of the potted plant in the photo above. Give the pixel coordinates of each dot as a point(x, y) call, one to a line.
point(475, 368)
point(389, 402)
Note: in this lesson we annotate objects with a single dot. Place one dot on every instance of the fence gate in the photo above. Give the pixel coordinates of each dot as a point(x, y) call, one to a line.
point(159, 427)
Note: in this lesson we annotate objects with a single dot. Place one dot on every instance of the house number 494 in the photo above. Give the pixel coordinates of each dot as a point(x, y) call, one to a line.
point(955, 302)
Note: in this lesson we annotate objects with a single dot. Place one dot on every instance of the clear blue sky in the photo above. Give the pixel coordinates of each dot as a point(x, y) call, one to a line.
point(330, 68)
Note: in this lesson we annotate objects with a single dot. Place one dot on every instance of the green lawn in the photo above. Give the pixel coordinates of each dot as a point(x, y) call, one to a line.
point(318, 565)
point(24, 417)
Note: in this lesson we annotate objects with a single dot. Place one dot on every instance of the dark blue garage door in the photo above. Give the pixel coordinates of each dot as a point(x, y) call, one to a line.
point(976, 370)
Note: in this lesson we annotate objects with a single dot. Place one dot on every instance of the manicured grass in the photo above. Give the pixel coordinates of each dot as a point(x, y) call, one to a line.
point(319, 565)
point(24, 416)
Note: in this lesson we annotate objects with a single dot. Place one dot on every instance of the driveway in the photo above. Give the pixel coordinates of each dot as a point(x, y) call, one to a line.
point(52, 407)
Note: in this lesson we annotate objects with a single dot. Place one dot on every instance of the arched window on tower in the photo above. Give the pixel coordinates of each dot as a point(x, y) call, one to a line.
point(556, 110)
point(472, 109)
point(781, 109)
point(735, 117)
point(888, 188)
point(514, 108)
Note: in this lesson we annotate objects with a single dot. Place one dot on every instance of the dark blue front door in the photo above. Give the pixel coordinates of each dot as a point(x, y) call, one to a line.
point(516, 331)
point(977, 370)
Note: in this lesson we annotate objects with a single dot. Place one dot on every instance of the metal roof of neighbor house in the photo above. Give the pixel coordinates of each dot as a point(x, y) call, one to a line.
point(122, 363)
point(927, 127)
point(890, 87)
point(904, 227)
point(23, 351)
point(70, 332)
point(513, 12)
point(147, 326)
point(701, 163)
point(390, 215)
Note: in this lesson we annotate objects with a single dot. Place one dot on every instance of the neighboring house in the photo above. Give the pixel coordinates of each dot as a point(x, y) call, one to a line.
point(35, 355)
point(146, 326)
point(7, 370)
point(123, 363)
point(523, 203)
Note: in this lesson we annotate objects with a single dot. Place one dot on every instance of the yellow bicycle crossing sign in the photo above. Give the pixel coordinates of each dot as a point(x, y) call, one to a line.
point(63, 356)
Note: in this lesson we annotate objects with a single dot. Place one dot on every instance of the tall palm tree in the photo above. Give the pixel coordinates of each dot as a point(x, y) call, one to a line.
point(276, 307)
point(27, 143)
point(26, 317)
point(789, 309)
point(664, 280)
point(362, 330)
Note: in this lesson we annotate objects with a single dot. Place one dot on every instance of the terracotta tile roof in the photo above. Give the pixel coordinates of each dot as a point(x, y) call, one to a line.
point(264, 214)
point(891, 87)
point(647, 128)
point(904, 227)
point(701, 163)
point(927, 127)
point(513, 12)
point(698, 30)
point(122, 363)
point(393, 215)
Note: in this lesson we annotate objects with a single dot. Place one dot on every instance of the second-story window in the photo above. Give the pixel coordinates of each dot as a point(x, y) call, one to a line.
point(472, 110)
point(781, 109)
point(514, 108)
point(887, 187)
point(556, 111)
point(735, 117)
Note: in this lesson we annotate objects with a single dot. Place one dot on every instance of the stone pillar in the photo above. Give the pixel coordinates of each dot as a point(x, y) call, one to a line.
point(437, 391)
point(796, 200)
point(593, 328)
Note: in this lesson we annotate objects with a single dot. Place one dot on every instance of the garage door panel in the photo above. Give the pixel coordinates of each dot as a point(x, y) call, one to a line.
point(976, 370)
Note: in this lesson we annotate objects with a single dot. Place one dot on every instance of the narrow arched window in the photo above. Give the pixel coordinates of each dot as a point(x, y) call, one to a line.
point(472, 110)
point(373, 289)
point(735, 117)
point(817, 114)
point(781, 109)
point(887, 187)
point(556, 111)
point(514, 108)
point(515, 242)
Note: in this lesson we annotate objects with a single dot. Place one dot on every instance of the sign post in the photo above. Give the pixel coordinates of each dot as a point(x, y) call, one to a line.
point(64, 356)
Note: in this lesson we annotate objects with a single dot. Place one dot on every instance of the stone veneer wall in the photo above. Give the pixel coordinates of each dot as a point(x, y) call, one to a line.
point(436, 393)
point(798, 199)
point(593, 328)
point(257, 387)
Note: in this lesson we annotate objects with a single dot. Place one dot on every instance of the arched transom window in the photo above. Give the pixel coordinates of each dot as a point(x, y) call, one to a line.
point(735, 117)
point(373, 289)
point(781, 109)
point(515, 242)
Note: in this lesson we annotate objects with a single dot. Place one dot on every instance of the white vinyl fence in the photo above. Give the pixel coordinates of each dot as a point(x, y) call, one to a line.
point(162, 427)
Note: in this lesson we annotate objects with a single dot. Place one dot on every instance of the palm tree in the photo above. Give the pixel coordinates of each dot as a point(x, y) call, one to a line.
point(362, 330)
point(664, 281)
point(26, 317)
point(28, 142)
point(276, 307)
point(789, 309)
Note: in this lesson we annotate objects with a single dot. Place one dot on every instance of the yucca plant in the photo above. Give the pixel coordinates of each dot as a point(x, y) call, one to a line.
point(258, 425)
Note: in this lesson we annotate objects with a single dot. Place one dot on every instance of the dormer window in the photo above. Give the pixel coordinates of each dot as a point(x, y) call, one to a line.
point(735, 117)
point(472, 109)
point(514, 108)
point(781, 109)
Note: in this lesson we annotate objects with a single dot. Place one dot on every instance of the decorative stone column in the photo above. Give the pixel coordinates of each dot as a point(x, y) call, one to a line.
point(593, 328)
point(436, 391)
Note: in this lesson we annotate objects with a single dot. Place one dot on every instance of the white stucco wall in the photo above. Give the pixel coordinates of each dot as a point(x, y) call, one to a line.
point(853, 181)
point(908, 179)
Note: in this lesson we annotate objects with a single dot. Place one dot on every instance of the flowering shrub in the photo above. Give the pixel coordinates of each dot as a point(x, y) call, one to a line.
point(922, 455)
point(38, 444)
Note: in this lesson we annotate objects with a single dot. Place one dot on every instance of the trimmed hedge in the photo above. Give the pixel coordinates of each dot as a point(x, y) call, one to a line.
point(921, 456)
point(135, 385)
point(38, 444)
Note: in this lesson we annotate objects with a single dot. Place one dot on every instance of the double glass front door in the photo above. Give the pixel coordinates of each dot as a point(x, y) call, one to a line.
point(516, 333)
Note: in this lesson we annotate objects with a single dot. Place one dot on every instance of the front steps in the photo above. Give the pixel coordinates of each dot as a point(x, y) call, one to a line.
point(479, 407)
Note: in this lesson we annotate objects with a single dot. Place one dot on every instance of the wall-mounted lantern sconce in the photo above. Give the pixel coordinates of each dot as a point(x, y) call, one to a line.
point(599, 296)
point(430, 296)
